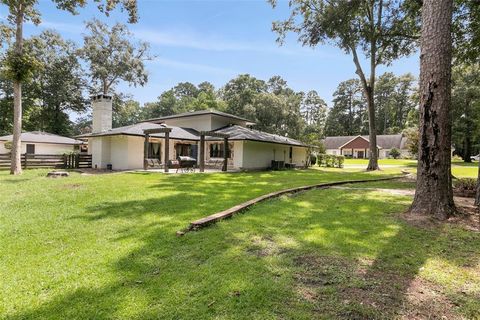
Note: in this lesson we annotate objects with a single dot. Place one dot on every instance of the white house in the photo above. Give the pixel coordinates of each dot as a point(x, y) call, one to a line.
point(130, 147)
point(358, 146)
point(38, 142)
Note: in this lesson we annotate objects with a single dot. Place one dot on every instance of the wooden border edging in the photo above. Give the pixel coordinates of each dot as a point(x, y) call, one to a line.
point(203, 222)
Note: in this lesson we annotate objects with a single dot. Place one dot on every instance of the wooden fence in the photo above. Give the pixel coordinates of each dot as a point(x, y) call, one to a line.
point(58, 161)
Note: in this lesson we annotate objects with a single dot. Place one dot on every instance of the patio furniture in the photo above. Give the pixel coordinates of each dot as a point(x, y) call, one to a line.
point(183, 163)
point(153, 163)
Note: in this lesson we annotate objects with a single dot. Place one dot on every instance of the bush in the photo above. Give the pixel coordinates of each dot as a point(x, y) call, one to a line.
point(395, 153)
point(8, 145)
point(328, 160)
point(465, 184)
point(321, 159)
point(340, 161)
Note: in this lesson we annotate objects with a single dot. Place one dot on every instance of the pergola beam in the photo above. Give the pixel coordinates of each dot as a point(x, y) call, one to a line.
point(214, 134)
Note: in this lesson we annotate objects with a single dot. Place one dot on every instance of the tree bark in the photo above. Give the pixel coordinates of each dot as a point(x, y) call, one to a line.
point(434, 194)
point(16, 165)
point(477, 195)
point(372, 137)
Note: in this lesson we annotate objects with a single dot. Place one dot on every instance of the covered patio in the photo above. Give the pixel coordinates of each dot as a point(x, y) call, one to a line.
point(200, 158)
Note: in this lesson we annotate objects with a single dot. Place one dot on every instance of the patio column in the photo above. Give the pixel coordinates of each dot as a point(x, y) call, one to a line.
point(146, 145)
point(167, 150)
point(202, 153)
point(225, 154)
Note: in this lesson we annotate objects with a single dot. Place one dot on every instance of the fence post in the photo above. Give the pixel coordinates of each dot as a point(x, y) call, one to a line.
point(64, 161)
point(77, 160)
point(25, 161)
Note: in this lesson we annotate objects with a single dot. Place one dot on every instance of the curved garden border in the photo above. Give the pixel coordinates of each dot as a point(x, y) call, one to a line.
point(213, 218)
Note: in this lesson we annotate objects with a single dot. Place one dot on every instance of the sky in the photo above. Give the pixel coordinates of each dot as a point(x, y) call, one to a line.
point(215, 41)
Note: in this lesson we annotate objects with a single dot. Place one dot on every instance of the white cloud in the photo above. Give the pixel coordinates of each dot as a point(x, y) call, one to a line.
point(192, 66)
point(210, 42)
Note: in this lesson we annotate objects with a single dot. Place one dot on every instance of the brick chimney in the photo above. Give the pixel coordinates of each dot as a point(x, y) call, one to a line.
point(102, 113)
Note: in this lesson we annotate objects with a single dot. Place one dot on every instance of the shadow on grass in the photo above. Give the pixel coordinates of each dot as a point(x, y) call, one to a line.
point(342, 253)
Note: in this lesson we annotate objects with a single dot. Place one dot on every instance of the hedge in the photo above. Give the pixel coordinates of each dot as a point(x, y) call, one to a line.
point(330, 160)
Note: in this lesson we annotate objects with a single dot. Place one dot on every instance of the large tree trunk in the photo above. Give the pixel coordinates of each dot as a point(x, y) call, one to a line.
point(477, 195)
point(373, 158)
point(16, 164)
point(433, 194)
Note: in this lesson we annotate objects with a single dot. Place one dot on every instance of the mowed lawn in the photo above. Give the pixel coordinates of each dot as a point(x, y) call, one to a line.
point(460, 169)
point(104, 247)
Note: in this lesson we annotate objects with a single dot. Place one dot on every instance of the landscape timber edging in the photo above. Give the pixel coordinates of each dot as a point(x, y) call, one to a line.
point(213, 218)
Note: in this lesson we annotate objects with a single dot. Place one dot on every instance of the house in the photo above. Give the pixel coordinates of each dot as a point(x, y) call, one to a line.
point(215, 135)
point(38, 142)
point(358, 146)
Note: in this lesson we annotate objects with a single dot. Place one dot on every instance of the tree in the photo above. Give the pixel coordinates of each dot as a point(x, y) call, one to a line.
point(411, 134)
point(20, 66)
point(466, 109)
point(57, 88)
point(383, 30)
point(433, 193)
point(314, 113)
point(239, 93)
point(348, 114)
point(112, 56)
point(394, 99)
point(395, 153)
point(126, 112)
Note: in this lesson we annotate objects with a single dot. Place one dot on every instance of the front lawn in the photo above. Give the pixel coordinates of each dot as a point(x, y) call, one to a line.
point(104, 247)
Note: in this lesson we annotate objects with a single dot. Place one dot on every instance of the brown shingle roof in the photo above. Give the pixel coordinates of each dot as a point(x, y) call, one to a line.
point(137, 130)
point(42, 137)
point(386, 141)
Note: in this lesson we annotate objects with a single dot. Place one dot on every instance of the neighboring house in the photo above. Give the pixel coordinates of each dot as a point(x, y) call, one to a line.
point(358, 146)
point(38, 142)
point(127, 148)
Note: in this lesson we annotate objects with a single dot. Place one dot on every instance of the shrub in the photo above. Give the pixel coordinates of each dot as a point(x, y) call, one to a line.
point(328, 160)
point(465, 184)
point(395, 153)
point(8, 145)
point(340, 161)
point(335, 161)
point(321, 159)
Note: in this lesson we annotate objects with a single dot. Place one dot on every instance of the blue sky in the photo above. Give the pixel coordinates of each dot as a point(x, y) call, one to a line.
point(215, 41)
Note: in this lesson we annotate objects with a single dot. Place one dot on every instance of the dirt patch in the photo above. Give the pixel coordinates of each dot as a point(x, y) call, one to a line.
point(468, 216)
point(72, 186)
point(340, 288)
point(396, 192)
point(263, 246)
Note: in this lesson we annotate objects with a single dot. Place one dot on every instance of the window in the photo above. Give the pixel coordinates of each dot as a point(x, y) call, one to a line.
point(216, 150)
point(154, 150)
point(30, 148)
point(183, 149)
point(334, 152)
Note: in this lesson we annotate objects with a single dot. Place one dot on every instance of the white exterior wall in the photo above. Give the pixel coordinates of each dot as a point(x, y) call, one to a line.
point(100, 148)
point(259, 155)
point(200, 123)
point(42, 148)
point(205, 122)
point(333, 151)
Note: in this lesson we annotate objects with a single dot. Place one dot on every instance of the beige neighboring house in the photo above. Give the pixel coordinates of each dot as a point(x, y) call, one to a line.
point(127, 147)
point(358, 146)
point(38, 142)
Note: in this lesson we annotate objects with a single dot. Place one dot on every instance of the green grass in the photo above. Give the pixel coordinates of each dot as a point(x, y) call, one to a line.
point(389, 162)
point(104, 247)
point(460, 169)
